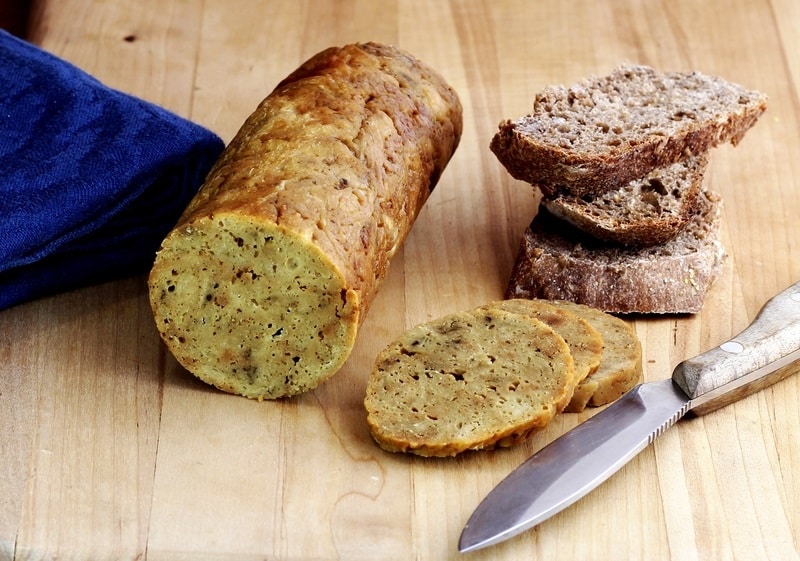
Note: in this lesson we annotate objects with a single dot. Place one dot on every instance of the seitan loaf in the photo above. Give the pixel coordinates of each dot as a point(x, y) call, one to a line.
point(262, 285)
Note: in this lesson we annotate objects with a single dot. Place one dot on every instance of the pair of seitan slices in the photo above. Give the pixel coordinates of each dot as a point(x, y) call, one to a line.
point(492, 376)
point(625, 223)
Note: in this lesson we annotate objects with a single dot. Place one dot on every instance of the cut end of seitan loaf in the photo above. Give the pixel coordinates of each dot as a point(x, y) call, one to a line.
point(604, 132)
point(558, 262)
point(262, 285)
point(645, 212)
point(468, 381)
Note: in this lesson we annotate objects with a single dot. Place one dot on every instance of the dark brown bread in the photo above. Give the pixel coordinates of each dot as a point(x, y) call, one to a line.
point(558, 262)
point(261, 287)
point(644, 212)
point(604, 132)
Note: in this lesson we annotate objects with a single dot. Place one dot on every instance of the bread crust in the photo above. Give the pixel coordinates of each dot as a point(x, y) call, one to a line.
point(645, 212)
point(263, 283)
point(532, 149)
point(558, 262)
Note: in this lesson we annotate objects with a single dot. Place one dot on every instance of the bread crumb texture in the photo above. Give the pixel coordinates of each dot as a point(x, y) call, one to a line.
point(261, 287)
point(604, 132)
point(644, 212)
point(558, 262)
point(468, 381)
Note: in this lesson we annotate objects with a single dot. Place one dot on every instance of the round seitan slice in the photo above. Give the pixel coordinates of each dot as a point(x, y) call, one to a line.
point(468, 381)
point(584, 341)
point(620, 367)
point(262, 286)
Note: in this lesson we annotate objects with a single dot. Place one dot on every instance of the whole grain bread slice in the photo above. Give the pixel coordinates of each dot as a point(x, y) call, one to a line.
point(468, 381)
point(603, 132)
point(559, 262)
point(644, 212)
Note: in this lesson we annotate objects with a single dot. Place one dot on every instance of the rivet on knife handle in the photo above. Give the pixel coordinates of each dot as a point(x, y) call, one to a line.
point(764, 353)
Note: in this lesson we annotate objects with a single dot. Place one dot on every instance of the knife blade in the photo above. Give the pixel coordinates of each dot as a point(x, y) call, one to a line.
point(564, 471)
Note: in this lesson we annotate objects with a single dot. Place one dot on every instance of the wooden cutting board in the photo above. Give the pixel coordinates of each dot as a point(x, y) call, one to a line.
point(109, 450)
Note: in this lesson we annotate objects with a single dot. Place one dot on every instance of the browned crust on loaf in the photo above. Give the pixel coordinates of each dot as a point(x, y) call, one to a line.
point(558, 262)
point(337, 162)
point(550, 166)
point(358, 201)
point(634, 215)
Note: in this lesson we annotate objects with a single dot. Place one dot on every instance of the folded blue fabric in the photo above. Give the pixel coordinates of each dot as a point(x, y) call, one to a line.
point(91, 179)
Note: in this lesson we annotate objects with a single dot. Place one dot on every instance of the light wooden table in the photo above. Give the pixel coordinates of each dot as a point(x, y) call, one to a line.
point(108, 450)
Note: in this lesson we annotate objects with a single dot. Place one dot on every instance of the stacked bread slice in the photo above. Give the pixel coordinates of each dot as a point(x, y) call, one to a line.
point(625, 223)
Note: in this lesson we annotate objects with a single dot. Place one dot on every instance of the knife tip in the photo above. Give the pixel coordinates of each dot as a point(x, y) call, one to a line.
point(467, 543)
point(467, 547)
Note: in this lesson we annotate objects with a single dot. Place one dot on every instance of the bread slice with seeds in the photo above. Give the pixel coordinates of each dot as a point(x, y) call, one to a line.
point(645, 212)
point(471, 380)
point(559, 262)
point(604, 132)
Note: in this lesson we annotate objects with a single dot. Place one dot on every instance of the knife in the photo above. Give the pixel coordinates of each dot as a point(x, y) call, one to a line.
point(558, 475)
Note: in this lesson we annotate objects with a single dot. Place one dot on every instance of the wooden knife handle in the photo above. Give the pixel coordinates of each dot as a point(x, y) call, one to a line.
point(767, 351)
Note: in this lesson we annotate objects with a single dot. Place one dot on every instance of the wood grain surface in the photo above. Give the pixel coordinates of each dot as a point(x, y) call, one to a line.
point(109, 450)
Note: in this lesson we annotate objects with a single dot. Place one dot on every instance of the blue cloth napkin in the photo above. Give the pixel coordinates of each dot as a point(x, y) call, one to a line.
point(91, 179)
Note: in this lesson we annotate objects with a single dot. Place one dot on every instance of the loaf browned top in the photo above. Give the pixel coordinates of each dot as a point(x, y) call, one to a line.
point(344, 152)
point(604, 132)
point(262, 285)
